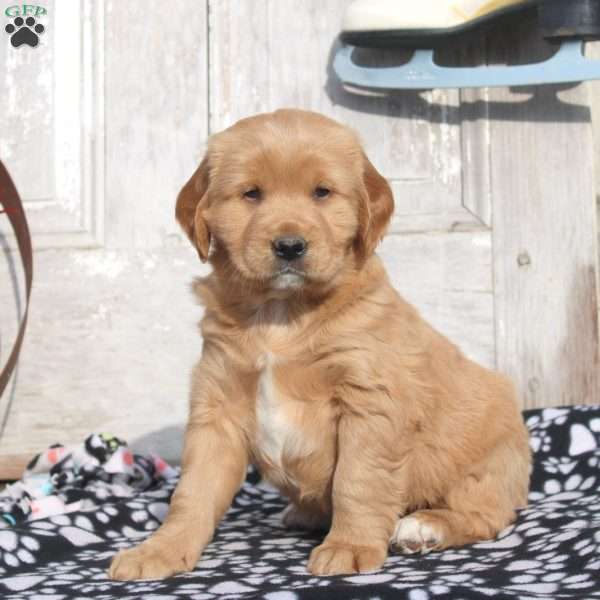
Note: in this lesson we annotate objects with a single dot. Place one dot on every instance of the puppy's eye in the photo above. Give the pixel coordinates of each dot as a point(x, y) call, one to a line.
point(252, 194)
point(321, 192)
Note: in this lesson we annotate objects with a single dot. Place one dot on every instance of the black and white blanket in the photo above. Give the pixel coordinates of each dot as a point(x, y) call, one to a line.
point(103, 498)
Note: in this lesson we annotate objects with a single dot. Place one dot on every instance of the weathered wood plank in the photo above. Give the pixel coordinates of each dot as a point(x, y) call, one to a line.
point(13, 465)
point(593, 51)
point(27, 105)
point(52, 129)
point(156, 115)
point(448, 277)
point(545, 253)
point(110, 344)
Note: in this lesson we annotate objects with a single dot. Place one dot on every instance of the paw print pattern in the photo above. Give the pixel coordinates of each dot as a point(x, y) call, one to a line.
point(24, 31)
point(17, 550)
point(563, 465)
point(551, 551)
point(540, 442)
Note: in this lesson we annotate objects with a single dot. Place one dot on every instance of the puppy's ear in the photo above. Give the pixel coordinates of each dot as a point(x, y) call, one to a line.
point(376, 208)
point(189, 210)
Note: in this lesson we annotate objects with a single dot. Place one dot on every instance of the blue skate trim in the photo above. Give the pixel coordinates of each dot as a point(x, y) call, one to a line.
point(422, 73)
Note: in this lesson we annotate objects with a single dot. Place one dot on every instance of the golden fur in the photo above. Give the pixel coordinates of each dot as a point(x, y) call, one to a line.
point(356, 408)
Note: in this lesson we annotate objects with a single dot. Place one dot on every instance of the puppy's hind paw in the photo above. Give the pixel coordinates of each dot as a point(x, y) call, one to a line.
point(413, 535)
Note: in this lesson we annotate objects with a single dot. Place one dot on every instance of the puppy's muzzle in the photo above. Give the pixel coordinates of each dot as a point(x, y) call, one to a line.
point(289, 248)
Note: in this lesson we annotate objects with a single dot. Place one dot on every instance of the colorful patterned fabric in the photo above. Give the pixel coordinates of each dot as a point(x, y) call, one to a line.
point(110, 498)
point(79, 478)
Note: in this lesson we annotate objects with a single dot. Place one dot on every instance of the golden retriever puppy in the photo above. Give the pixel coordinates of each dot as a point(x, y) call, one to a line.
point(313, 367)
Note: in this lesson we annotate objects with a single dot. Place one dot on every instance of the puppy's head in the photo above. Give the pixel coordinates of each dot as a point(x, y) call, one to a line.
point(287, 199)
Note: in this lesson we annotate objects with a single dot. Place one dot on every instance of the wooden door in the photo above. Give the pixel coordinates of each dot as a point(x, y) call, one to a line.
point(493, 236)
point(99, 126)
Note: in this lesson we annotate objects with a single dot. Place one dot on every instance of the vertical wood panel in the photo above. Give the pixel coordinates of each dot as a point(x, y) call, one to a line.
point(545, 253)
point(593, 51)
point(110, 344)
point(52, 140)
point(156, 115)
point(26, 107)
point(448, 277)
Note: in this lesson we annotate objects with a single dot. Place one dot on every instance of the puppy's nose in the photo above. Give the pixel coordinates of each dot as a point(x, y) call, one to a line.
point(289, 248)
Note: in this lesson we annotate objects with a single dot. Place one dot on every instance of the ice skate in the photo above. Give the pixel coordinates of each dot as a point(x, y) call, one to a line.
point(428, 24)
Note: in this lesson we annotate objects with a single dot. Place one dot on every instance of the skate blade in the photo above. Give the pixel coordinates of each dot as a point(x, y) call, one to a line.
point(569, 64)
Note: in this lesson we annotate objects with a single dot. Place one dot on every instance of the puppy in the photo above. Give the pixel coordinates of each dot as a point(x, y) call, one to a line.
point(313, 367)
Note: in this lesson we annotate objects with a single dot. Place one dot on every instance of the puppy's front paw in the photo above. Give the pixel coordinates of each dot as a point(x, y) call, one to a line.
point(345, 559)
point(150, 561)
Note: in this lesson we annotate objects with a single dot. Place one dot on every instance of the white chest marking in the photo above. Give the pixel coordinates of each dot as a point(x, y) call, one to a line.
point(274, 431)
